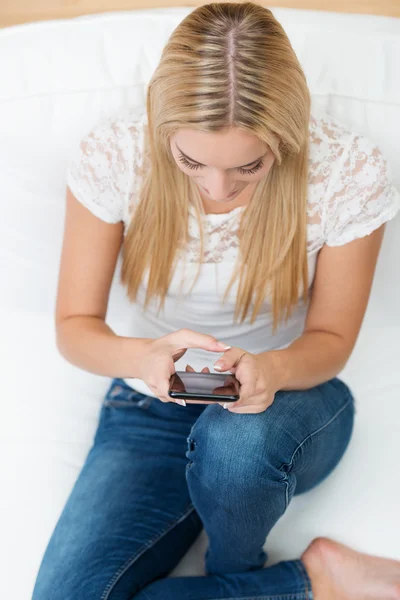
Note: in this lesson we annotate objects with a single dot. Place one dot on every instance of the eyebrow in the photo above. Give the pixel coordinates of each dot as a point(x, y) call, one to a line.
point(199, 163)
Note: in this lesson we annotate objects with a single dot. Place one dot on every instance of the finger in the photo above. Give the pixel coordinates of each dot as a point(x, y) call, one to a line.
point(163, 384)
point(191, 370)
point(178, 354)
point(163, 399)
point(186, 338)
point(168, 399)
point(248, 376)
point(229, 359)
point(247, 391)
point(253, 404)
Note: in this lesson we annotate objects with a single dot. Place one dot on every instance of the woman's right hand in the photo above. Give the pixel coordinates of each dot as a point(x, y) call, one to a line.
point(157, 363)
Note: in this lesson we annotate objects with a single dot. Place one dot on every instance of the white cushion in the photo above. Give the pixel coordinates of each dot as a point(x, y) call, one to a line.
point(57, 79)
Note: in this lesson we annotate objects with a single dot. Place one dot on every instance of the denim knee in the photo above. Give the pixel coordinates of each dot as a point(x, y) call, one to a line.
point(235, 449)
point(230, 447)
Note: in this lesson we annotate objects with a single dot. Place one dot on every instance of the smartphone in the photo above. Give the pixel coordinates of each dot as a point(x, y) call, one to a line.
point(216, 387)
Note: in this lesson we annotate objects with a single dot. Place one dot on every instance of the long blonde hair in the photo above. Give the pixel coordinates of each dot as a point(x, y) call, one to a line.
point(227, 65)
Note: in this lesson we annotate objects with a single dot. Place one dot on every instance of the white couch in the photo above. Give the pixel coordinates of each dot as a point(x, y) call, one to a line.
point(57, 79)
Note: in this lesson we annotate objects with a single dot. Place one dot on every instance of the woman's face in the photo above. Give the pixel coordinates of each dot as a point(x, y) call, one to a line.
point(222, 164)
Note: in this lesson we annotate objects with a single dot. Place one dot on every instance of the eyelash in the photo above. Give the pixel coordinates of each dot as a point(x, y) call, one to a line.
point(244, 171)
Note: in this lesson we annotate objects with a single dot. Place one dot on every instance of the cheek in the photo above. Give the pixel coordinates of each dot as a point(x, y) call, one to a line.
point(258, 176)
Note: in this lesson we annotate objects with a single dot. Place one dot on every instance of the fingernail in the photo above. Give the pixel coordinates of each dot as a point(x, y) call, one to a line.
point(181, 402)
point(224, 346)
point(218, 366)
point(225, 405)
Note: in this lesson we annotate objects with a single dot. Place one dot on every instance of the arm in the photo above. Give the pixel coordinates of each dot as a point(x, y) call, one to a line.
point(89, 255)
point(340, 294)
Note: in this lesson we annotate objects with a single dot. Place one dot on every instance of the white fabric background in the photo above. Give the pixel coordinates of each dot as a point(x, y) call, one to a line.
point(57, 79)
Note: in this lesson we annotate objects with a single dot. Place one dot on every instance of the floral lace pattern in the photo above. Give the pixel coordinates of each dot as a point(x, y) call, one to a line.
point(350, 192)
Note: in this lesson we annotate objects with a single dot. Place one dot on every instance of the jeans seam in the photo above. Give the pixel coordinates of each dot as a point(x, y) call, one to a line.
point(290, 463)
point(291, 596)
point(109, 587)
point(306, 580)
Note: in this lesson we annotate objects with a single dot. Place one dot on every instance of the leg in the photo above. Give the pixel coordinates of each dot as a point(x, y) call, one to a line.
point(288, 580)
point(242, 474)
point(129, 518)
point(244, 468)
point(327, 571)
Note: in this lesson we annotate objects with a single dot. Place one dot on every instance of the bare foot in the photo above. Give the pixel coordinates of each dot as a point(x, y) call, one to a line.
point(339, 573)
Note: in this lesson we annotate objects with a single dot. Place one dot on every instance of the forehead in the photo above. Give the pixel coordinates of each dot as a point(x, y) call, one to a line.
point(233, 146)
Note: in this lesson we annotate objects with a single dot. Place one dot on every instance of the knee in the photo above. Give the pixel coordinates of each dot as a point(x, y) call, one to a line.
point(232, 449)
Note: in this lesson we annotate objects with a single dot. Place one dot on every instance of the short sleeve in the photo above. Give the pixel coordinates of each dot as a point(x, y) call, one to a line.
point(98, 171)
point(362, 196)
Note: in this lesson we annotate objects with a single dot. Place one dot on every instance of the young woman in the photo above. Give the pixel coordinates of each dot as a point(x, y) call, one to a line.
point(250, 226)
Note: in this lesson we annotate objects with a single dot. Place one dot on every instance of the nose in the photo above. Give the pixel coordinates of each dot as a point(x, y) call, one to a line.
point(219, 186)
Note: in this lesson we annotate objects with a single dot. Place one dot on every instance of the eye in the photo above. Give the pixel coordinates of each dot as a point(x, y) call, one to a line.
point(191, 165)
point(253, 169)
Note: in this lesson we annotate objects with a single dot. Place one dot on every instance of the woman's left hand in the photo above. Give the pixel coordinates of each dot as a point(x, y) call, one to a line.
point(256, 376)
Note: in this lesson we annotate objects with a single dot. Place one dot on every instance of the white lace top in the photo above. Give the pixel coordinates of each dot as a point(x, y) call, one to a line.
point(350, 195)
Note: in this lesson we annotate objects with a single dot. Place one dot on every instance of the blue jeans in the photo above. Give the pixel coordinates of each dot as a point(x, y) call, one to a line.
point(157, 473)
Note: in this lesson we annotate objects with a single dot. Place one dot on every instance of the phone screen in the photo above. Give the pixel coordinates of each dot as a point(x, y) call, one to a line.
point(207, 386)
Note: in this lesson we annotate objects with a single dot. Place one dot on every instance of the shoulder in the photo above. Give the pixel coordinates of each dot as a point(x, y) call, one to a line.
point(102, 168)
point(337, 151)
point(329, 141)
point(120, 131)
point(350, 187)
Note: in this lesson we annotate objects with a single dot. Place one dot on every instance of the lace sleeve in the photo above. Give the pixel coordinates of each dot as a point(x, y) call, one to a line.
point(362, 197)
point(98, 173)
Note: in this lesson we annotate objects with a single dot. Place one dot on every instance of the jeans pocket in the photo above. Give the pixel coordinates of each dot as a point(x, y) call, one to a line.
point(121, 395)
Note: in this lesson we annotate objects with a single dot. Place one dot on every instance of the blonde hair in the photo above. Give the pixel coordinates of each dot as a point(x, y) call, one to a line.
point(227, 65)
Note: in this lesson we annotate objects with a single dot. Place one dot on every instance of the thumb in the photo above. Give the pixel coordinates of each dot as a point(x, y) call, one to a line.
point(178, 354)
point(228, 360)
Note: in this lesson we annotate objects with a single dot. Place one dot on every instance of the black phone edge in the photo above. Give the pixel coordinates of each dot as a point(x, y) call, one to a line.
point(184, 396)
